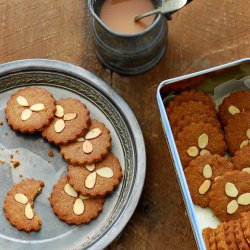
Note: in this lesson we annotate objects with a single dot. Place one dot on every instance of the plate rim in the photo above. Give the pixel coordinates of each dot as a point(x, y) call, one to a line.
point(123, 109)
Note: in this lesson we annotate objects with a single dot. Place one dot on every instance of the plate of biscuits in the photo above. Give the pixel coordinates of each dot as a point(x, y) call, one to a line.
point(72, 158)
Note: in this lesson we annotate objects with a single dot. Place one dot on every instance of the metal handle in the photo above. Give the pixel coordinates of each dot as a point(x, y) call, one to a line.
point(169, 15)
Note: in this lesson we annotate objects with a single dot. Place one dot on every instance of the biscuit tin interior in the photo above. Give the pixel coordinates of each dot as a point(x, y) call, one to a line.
point(66, 80)
point(218, 82)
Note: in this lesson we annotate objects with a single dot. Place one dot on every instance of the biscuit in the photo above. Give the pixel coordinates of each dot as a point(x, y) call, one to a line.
point(200, 175)
point(245, 226)
point(98, 179)
point(199, 139)
point(241, 159)
point(195, 118)
point(30, 109)
point(229, 235)
point(237, 132)
point(71, 120)
point(85, 151)
point(71, 207)
point(206, 234)
point(229, 195)
point(189, 108)
point(239, 236)
point(236, 102)
point(220, 238)
point(188, 95)
point(19, 203)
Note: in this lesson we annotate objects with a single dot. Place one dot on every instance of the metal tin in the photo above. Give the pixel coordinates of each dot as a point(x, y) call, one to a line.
point(66, 80)
point(207, 81)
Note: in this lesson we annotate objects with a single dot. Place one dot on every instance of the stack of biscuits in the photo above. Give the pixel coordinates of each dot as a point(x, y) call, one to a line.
point(93, 171)
point(217, 178)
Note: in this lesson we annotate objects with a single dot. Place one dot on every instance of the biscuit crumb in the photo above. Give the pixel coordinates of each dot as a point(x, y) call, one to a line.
point(6, 133)
point(20, 175)
point(49, 161)
point(2, 162)
point(11, 156)
point(15, 164)
point(17, 152)
point(51, 154)
point(1, 123)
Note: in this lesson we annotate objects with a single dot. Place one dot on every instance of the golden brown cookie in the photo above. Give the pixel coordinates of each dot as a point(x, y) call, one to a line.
point(188, 95)
point(195, 118)
point(245, 226)
point(237, 132)
point(200, 175)
point(229, 235)
point(71, 207)
point(212, 241)
point(220, 237)
point(198, 139)
point(229, 196)
point(241, 159)
point(91, 148)
point(239, 236)
point(235, 103)
point(189, 108)
point(19, 203)
point(30, 109)
point(98, 179)
point(71, 120)
point(206, 234)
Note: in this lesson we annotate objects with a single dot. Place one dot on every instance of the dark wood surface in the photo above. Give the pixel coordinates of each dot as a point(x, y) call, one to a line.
point(202, 35)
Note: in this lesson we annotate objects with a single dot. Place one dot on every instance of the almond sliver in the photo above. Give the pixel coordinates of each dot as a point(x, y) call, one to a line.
point(59, 125)
point(22, 101)
point(90, 180)
point(59, 111)
point(26, 114)
point(105, 172)
point(37, 107)
point(69, 116)
point(92, 134)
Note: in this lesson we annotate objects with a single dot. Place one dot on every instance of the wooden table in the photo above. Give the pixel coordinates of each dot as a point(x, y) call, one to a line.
point(202, 35)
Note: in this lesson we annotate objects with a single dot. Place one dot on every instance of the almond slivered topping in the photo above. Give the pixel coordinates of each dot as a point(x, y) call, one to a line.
point(231, 190)
point(246, 170)
point(37, 107)
point(204, 152)
point(244, 199)
point(59, 111)
point(69, 190)
point(26, 114)
point(244, 143)
point(87, 147)
point(81, 139)
point(193, 151)
point(232, 207)
point(105, 172)
point(248, 133)
point(22, 101)
point(233, 110)
point(92, 134)
point(90, 167)
point(204, 187)
point(29, 214)
point(78, 206)
point(69, 116)
point(21, 198)
point(203, 141)
point(90, 180)
point(83, 197)
point(59, 125)
point(207, 171)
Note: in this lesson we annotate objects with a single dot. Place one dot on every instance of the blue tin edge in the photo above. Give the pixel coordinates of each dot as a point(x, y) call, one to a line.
point(173, 149)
